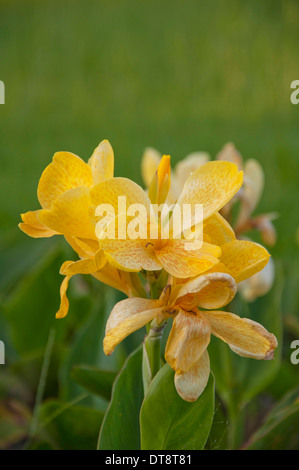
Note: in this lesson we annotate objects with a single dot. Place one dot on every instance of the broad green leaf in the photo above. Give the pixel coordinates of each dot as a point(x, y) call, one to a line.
point(94, 380)
point(17, 259)
point(280, 431)
point(69, 427)
point(120, 429)
point(30, 310)
point(217, 439)
point(169, 423)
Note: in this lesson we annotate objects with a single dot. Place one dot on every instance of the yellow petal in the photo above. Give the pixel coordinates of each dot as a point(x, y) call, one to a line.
point(253, 181)
point(183, 263)
point(243, 258)
point(71, 214)
point(212, 185)
point(245, 337)
point(189, 164)
point(218, 230)
point(33, 227)
point(126, 317)
point(102, 162)
point(64, 303)
point(67, 171)
point(213, 290)
point(84, 247)
point(130, 255)
point(112, 277)
point(150, 162)
point(84, 266)
point(188, 339)
point(191, 384)
point(109, 191)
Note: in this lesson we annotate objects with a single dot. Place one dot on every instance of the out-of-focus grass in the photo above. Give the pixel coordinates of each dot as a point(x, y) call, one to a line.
point(180, 76)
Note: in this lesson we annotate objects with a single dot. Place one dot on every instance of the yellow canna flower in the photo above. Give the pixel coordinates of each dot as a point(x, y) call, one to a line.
point(212, 185)
point(186, 348)
point(64, 194)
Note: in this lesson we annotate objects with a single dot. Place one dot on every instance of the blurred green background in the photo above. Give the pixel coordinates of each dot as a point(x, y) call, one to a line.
point(177, 75)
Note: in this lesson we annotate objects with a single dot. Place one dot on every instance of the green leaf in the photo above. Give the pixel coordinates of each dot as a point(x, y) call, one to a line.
point(217, 439)
point(170, 423)
point(94, 380)
point(69, 427)
point(30, 310)
point(280, 431)
point(120, 428)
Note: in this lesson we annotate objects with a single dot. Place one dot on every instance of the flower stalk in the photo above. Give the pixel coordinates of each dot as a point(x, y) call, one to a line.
point(152, 353)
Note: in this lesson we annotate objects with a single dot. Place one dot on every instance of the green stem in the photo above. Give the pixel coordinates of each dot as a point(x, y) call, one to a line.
point(152, 353)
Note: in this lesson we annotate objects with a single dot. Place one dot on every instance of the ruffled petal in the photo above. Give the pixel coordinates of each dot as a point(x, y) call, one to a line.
point(213, 290)
point(71, 214)
point(128, 316)
point(33, 227)
point(183, 263)
point(243, 258)
point(191, 384)
point(188, 339)
point(245, 337)
point(130, 255)
point(67, 171)
point(84, 266)
point(212, 185)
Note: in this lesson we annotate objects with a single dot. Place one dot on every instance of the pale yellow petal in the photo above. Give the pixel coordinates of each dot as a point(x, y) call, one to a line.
point(189, 164)
point(253, 181)
point(212, 185)
point(149, 164)
point(67, 171)
point(213, 290)
point(229, 153)
point(126, 317)
point(130, 255)
point(71, 214)
point(218, 230)
point(191, 384)
point(243, 258)
point(188, 339)
point(245, 337)
point(259, 284)
point(183, 263)
point(102, 162)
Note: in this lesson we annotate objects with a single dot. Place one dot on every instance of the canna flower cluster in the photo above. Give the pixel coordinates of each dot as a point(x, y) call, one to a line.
point(248, 198)
point(193, 283)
